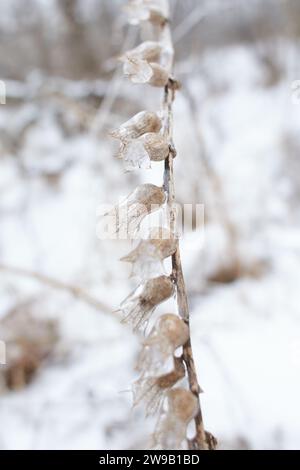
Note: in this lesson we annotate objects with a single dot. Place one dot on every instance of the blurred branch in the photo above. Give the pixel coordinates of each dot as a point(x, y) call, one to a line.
point(112, 89)
point(76, 291)
point(198, 14)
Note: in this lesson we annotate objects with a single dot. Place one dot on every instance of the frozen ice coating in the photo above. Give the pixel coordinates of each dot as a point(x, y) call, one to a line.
point(138, 307)
point(159, 77)
point(147, 258)
point(152, 390)
point(134, 155)
point(146, 10)
point(138, 153)
point(182, 404)
point(126, 217)
point(171, 429)
point(142, 123)
point(141, 64)
point(137, 70)
point(149, 51)
point(168, 334)
point(156, 146)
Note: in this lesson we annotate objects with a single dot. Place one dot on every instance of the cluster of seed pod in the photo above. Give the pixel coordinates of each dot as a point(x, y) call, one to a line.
point(161, 367)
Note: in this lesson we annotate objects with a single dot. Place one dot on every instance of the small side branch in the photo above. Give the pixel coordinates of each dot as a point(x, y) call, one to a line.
point(75, 291)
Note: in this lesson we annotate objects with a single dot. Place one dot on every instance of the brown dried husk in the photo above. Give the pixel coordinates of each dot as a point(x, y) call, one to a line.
point(183, 404)
point(160, 76)
point(142, 123)
point(156, 146)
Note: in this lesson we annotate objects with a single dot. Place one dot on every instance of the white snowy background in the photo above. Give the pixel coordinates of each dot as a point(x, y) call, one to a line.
point(237, 136)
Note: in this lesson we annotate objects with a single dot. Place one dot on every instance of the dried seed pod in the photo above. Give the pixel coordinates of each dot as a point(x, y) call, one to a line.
point(149, 51)
point(137, 70)
point(169, 333)
point(171, 430)
point(145, 10)
point(140, 124)
point(138, 307)
point(141, 71)
point(152, 390)
point(182, 404)
point(138, 153)
point(159, 77)
point(147, 258)
point(156, 146)
point(144, 200)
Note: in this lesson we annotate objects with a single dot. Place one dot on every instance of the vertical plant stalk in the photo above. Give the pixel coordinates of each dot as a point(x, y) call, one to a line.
point(202, 439)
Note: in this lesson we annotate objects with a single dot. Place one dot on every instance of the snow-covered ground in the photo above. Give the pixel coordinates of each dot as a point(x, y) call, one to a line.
point(246, 333)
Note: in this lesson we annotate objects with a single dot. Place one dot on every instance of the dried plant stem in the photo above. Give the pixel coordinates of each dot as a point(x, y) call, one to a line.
point(201, 440)
point(76, 291)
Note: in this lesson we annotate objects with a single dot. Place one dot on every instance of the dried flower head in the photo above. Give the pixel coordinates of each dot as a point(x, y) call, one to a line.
point(171, 429)
point(140, 124)
point(138, 307)
point(146, 10)
point(168, 334)
point(152, 390)
point(147, 258)
point(128, 215)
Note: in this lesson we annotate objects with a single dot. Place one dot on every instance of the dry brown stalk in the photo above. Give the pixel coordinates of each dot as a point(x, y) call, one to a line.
point(202, 440)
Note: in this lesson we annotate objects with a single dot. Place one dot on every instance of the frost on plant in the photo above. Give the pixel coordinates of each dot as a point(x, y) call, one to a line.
point(128, 215)
point(168, 334)
point(138, 307)
point(171, 430)
point(152, 390)
point(147, 258)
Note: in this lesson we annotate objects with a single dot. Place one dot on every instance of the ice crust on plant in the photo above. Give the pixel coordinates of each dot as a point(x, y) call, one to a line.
point(147, 258)
point(140, 11)
point(138, 307)
point(127, 216)
point(142, 64)
point(168, 334)
point(142, 123)
point(138, 153)
point(152, 390)
point(171, 430)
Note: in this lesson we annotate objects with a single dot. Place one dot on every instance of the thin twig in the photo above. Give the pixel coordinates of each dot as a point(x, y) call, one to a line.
point(76, 291)
point(202, 439)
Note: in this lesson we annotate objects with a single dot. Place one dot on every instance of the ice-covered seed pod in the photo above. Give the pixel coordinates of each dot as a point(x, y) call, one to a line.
point(142, 123)
point(182, 404)
point(156, 146)
point(147, 258)
point(137, 70)
point(171, 431)
point(128, 215)
point(145, 10)
point(159, 77)
point(141, 71)
point(138, 153)
point(149, 51)
point(138, 307)
point(168, 334)
point(152, 390)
